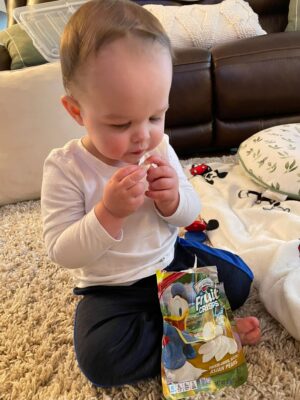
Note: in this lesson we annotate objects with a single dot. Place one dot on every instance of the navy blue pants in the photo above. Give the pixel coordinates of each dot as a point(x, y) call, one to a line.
point(118, 329)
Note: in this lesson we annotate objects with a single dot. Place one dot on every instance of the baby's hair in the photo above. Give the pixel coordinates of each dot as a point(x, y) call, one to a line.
point(99, 22)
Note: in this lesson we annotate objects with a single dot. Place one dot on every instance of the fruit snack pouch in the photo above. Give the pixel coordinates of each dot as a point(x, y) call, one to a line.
point(201, 350)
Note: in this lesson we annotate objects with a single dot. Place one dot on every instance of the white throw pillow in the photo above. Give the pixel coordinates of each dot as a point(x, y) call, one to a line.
point(32, 122)
point(272, 159)
point(204, 26)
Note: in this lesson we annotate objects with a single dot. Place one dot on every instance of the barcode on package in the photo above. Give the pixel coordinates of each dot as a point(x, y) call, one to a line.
point(182, 387)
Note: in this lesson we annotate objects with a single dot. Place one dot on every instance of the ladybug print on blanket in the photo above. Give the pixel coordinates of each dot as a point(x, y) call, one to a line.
point(208, 174)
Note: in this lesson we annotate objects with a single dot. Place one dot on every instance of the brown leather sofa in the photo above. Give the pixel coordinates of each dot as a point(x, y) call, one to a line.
point(221, 97)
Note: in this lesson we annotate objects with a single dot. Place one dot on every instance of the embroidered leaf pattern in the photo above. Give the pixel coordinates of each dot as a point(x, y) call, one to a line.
point(270, 141)
point(290, 167)
point(262, 161)
point(283, 154)
point(249, 151)
point(271, 167)
point(290, 140)
point(257, 154)
point(276, 187)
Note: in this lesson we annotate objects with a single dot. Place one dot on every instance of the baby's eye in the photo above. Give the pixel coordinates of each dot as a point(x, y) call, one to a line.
point(154, 119)
point(120, 126)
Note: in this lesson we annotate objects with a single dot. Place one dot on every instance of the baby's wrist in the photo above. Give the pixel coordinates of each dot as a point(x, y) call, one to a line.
point(110, 212)
point(167, 207)
point(111, 223)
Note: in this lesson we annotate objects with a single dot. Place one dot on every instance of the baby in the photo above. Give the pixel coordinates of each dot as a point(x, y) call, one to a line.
point(106, 218)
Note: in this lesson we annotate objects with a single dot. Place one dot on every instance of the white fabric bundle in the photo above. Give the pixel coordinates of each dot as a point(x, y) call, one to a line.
point(262, 231)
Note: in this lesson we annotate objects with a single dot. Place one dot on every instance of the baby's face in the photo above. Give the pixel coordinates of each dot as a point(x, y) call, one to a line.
point(125, 99)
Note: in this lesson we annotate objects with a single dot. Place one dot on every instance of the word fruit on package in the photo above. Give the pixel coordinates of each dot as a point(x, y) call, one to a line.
point(201, 350)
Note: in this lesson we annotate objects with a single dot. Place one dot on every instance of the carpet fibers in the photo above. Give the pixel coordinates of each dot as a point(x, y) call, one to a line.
point(36, 327)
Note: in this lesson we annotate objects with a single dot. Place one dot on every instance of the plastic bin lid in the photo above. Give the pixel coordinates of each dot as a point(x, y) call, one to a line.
point(45, 23)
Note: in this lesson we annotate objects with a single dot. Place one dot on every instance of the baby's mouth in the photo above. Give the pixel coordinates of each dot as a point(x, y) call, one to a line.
point(138, 152)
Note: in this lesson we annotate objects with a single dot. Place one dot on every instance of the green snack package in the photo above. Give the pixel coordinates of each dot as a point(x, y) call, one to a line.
point(201, 350)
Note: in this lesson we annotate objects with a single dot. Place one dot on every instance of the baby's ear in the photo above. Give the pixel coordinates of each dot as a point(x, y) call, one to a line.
point(73, 108)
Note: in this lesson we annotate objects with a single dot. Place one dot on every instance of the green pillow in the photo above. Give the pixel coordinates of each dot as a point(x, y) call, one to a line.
point(294, 16)
point(20, 48)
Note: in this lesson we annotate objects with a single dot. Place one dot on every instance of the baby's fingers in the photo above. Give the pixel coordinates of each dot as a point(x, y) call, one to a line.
point(158, 161)
point(133, 179)
point(125, 171)
point(130, 176)
point(158, 195)
point(160, 172)
point(137, 190)
point(161, 184)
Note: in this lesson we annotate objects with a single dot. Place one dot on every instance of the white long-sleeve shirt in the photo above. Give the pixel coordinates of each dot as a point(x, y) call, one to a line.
point(73, 183)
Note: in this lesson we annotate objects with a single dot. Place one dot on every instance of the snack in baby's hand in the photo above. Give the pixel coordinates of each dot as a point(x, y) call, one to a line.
point(143, 159)
point(142, 163)
point(201, 350)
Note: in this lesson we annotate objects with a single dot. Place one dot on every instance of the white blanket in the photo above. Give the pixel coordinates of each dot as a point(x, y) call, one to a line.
point(264, 233)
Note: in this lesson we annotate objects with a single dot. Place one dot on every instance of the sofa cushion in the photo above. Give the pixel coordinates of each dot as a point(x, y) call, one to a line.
point(294, 16)
point(271, 158)
point(204, 26)
point(20, 48)
point(32, 123)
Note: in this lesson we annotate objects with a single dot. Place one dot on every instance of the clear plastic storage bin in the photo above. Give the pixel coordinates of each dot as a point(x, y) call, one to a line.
point(45, 23)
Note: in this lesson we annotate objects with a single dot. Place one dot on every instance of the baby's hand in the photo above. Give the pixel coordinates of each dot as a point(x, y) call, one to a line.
point(125, 191)
point(163, 185)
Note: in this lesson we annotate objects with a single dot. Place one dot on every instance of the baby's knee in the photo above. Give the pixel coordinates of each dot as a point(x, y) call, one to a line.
point(117, 354)
point(97, 366)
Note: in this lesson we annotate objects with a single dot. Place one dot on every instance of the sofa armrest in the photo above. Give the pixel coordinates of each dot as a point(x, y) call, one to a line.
point(256, 84)
point(5, 60)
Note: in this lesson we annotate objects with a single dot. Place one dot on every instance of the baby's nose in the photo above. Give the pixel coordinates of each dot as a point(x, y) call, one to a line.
point(141, 135)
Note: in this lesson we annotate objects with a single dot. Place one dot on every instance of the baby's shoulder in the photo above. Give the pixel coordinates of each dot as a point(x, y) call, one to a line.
point(64, 155)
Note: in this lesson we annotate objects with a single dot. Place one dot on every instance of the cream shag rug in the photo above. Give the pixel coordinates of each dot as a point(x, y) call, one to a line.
point(36, 330)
